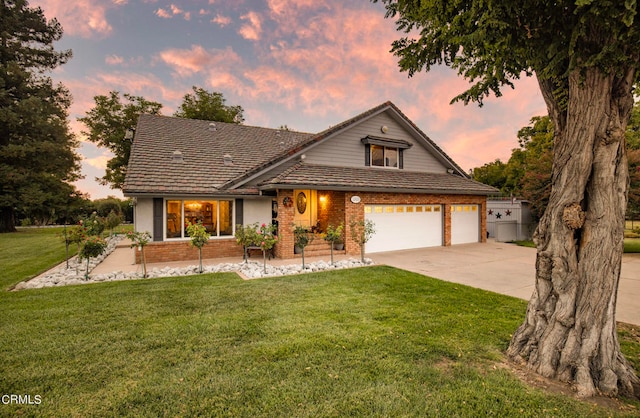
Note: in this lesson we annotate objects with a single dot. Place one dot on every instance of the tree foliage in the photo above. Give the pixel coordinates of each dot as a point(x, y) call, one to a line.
point(585, 55)
point(527, 174)
point(205, 105)
point(37, 149)
point(108, 123)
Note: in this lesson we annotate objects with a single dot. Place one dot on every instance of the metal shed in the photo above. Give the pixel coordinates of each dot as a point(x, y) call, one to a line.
point(509, 219)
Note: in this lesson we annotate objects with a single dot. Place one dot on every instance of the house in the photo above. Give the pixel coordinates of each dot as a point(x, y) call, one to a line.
point(378, 165)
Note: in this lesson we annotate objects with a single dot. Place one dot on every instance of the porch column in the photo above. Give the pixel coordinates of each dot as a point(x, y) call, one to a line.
point(447, 224)
point(284, 247)
point(353, 212)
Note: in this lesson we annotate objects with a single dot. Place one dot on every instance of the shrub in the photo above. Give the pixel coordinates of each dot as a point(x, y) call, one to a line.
point(199, 237)
point(92, 246)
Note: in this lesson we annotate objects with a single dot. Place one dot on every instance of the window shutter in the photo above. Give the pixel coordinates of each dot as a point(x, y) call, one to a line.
point(400, 159)
point(158, 216)
point(240, 211)
point(367, 155)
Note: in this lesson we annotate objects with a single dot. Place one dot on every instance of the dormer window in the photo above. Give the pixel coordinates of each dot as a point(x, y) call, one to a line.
point(384, 152)
point(384, 156)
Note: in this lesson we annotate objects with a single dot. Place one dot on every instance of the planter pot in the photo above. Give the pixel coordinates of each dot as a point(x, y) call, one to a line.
point(297, 249)
point(338, 247)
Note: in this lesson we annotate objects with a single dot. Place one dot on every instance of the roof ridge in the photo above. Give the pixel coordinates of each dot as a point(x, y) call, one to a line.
point(315, 138)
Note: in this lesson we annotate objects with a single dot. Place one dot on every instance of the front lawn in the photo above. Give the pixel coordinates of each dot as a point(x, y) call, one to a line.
point(631, 245)
point(364, 342)
point(29, 252)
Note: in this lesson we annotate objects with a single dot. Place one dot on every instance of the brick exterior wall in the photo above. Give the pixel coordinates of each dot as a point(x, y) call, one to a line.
point(157, 252)
point(355, 211)
point(284, 247)
point(330, 208)
point(336, 209)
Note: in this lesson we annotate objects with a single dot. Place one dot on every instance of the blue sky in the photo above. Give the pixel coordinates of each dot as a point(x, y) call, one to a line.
point(301, 63)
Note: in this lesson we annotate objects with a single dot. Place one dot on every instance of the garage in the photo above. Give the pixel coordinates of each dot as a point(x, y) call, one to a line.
point(401, 227)
point(465, 224)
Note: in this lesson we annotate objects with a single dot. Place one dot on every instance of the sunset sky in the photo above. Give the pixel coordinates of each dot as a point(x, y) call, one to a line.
point(302, 63)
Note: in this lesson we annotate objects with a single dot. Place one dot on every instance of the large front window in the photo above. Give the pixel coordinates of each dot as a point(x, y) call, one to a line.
point(215, 215)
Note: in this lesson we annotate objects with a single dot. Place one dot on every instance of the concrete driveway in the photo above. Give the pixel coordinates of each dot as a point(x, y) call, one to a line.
point(504, 268)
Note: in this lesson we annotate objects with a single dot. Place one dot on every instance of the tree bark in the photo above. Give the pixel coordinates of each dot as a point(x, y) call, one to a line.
point(7, 220)
point(569, 332)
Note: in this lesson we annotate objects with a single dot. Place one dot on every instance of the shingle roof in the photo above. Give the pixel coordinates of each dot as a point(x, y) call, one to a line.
point(152, 169)
point(375, 179)
point(203, 146)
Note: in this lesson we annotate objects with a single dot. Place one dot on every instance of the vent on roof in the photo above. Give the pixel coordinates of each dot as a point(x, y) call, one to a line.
point(212, 127)
point(177, 156)
point(228, 160)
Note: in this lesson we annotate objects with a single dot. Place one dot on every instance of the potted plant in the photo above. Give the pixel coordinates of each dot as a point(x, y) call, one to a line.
point(334, 237)
point(301, 238)
point(246, 236)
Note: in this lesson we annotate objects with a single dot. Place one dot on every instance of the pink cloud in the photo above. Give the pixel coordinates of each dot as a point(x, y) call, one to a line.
point(253, 29)
point(197, 59)
point(85, 18)
point(163, 14)
point(113, 60)
point(221, 20)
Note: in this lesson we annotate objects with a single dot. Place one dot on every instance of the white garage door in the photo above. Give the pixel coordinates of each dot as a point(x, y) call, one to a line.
point(401, 227)
point(465, 224)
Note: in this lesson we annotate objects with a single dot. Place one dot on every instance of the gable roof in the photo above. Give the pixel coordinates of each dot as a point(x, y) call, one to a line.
point(316, 139)
point(199, 168)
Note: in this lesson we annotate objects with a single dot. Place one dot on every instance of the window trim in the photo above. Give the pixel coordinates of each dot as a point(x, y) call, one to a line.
point(399, 145)
point(182, 237)
point(384, 157)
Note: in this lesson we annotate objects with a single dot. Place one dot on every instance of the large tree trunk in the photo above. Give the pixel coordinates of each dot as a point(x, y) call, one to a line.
point(7, 220)
point(570, 328)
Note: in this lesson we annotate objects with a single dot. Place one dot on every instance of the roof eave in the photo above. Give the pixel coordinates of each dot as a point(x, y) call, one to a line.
point(347, 188)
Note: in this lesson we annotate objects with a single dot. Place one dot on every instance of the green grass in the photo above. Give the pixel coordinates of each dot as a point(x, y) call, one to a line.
point(631, 245)
point(32, 251)
point(364, 342)
point(525, 243)
point(29, 252)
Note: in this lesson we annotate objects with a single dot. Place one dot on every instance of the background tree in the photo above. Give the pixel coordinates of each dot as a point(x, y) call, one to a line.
point(205, 105)
point(108, 122)
point(585, 55)
point(37, 149)
point(493, 174)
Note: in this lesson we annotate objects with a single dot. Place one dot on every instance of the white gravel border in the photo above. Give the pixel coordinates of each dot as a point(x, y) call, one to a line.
point(62, 276)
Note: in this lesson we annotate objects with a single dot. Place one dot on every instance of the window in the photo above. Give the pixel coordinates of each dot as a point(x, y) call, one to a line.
point(384, 151)
point(384, 156)
point(215, 215)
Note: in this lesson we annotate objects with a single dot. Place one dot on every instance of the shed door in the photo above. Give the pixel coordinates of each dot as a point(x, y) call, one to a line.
point(401, 227)
point(465, 224)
